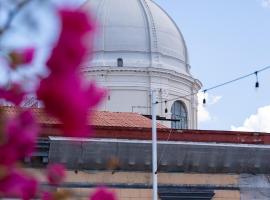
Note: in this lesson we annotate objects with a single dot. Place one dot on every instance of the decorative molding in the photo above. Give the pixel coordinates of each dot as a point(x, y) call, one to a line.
point(151, 71)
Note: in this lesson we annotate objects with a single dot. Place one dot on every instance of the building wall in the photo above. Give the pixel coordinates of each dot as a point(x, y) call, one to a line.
point(111, 177)
point(146, 194)
point(82, 183)
point(226, 195)
point(129, 90)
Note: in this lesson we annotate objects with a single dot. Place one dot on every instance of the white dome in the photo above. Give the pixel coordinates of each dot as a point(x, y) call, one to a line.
point(140, 33)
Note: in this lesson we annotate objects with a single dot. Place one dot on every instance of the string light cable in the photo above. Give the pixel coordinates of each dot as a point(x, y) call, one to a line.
point(163, 150)
point(221, 85)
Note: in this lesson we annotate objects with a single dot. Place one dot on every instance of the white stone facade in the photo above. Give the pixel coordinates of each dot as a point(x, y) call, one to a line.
point(129, 90)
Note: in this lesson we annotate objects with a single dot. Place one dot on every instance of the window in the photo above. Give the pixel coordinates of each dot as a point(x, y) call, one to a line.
point(179, 114)
point(120, 62)
point(186, 194)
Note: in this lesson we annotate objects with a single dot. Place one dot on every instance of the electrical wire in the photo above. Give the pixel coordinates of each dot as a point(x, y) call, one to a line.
point(217, 86)
point(163, 150)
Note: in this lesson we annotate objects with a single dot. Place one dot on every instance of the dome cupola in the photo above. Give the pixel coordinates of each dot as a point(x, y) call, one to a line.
point(137, 33)
point(138, 48)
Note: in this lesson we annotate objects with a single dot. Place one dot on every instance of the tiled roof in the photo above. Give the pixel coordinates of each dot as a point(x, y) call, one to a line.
point(121, 125)
point(123, 119)
point(99, 118)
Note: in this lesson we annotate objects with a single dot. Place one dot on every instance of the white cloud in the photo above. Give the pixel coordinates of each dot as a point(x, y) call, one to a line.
point(266, 3)
point(259, 122)
point(203, 113)
point(214, 99)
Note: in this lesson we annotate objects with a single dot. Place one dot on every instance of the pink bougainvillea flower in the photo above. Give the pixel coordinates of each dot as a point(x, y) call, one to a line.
point(18, 184)
point(56, 174)
point(76, 21)
point(47, 196)
point(21, 57)
point(102, 194)
point(65, 98)
point(74, 41)
point(13, 94)
point(63, 93)
point(8, 155)
point(21, 133)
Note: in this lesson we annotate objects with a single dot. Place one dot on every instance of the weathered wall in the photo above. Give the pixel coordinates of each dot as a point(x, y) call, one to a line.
point(137, 185)
point(82, 182)
point(254, 187)
point(107, 177)
point(226, 195)
point(146, 194)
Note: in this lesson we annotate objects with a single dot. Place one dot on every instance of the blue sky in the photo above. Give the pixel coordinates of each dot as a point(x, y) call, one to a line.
point(227, 39)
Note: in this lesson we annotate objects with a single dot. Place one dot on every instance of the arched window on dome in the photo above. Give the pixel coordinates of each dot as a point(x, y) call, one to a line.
point(179, 112)
point(120, 62)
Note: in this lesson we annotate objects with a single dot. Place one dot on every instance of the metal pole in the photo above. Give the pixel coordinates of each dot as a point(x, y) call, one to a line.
point(154, 145)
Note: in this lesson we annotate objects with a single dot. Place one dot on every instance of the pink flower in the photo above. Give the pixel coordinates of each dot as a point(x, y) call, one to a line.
point(28, 55)
point(20, 137)
point(18, 184)
point(65, 98)
point(47, 196)
point(74, 42)
point(21, 57)
point(13, 94)
point(76, 21)
point(102, 194)
point(63, 92)
point(23, 131)
point(8, 155)
point(56, 174)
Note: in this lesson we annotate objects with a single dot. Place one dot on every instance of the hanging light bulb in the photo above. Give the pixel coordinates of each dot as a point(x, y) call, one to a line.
point(166, 109)
point(257, 85)
point(204, 99)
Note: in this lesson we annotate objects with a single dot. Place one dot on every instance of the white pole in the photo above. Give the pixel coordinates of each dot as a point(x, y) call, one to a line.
point(154, 145)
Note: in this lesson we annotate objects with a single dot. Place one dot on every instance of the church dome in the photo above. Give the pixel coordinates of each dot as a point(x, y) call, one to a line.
point(136, 33)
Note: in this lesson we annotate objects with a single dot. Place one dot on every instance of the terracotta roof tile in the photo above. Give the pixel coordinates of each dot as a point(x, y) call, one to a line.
point(120, 125)
point(99, 118)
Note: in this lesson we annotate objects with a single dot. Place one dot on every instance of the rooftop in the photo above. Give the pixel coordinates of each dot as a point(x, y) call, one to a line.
point(98, 118)
point(127, 137)
point(133, 126)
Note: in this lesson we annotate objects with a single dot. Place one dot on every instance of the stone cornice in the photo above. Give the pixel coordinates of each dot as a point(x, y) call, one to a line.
point(150, 70)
